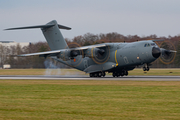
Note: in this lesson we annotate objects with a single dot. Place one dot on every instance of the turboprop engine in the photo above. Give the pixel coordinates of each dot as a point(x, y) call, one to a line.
point(68, 54)
point(94, 52)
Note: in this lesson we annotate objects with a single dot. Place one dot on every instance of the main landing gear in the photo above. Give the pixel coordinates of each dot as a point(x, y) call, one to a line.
point(97, 74)
point(122, 73)
point(146, 67)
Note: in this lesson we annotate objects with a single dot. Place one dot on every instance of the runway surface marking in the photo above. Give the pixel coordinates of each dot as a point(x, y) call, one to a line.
point(74, 77)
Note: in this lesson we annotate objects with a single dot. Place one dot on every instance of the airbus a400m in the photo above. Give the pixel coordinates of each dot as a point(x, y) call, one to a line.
point(115, 58)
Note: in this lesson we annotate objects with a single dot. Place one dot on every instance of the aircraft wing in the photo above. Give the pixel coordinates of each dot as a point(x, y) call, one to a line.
point(56, 52)
point(87, 47)
point(42, 54)
point(157, 40)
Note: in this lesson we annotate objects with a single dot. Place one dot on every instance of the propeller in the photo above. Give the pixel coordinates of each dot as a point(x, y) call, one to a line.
point(168, 52)
point(100, 55)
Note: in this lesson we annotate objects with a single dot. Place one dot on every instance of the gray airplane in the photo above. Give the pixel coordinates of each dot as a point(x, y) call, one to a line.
point(115, 58)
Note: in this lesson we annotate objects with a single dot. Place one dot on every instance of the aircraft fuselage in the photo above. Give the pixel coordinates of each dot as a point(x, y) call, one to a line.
point(117, 57)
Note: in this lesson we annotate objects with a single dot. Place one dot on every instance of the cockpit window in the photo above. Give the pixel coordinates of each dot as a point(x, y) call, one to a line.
point(147, 45)
point(153, 44)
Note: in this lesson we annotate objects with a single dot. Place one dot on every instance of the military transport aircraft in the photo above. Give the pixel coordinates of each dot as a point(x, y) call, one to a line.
point(115, 58)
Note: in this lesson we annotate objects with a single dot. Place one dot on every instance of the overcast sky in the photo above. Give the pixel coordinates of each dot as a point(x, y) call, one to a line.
point(127, 17)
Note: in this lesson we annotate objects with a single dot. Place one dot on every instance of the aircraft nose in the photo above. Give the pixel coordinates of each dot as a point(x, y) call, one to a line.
point(156, 52)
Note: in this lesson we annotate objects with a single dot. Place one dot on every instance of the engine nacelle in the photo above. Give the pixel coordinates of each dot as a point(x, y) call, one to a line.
point(64, 55)
point(94, 52)
point(67, 54)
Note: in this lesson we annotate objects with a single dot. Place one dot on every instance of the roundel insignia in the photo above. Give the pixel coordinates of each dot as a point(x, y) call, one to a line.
point(74, 59)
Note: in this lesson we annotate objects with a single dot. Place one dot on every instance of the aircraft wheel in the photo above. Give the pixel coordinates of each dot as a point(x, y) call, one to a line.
point(99, 74)
point(91, 75)
point(144, 68)
point(114, 75)
point(147, 68)
point(103, 74)
point(118, 74)
point(95, 74)
point(126, 73)
point(122, 74)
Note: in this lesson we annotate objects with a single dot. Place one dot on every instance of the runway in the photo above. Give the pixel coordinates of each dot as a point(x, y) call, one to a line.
point(84, 77)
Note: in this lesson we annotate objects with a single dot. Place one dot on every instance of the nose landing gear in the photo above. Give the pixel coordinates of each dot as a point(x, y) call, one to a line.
point(146, 67)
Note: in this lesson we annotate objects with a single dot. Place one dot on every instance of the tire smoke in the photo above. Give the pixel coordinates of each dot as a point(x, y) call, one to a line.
point(53, 70)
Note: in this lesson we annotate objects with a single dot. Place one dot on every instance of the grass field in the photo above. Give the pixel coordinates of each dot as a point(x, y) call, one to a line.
point(65, 99)
point(171, 72)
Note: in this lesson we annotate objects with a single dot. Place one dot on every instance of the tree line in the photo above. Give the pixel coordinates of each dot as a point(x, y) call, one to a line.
point(8, 54)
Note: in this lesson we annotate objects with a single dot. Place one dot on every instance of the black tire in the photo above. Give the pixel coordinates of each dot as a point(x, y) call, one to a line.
point(95, 74)
point(126, 73)
point(144, 68)
point(91, 75)
point(122, 73)
point(118, 74)
point(147, 68)
point(103, 74)
point(99, 74)
point(114, 75)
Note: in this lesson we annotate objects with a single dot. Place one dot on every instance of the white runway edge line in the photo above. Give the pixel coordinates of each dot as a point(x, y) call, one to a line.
point(83, 77)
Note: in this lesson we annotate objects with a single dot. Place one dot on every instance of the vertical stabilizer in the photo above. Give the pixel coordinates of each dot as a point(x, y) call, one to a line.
point(54, 36)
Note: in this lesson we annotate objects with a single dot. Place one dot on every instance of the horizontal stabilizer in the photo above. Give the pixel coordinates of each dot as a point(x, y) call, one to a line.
point(40, 26)
point(30, 27)
point(64, 27)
